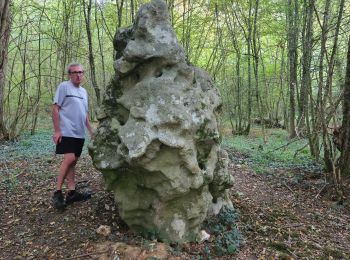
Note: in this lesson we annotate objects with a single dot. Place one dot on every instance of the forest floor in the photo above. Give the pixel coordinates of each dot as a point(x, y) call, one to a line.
point(283, 214)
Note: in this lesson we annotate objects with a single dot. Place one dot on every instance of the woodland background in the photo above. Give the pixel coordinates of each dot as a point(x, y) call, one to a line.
point(277, 63)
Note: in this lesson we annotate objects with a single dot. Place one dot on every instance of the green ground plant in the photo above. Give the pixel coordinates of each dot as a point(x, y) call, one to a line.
point(223, 227)
point(29, 146)
point(278, 152)
point(10, 182)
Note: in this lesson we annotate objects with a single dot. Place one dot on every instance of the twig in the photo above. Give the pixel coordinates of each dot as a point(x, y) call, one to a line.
point(316, 243)
point(294, 225)
point(285, 184)
point(20, 173)
point(292, 253)
point(88, 254)
point(297, 151)
point(318, 194)
point(342, 247)
point(285, 145)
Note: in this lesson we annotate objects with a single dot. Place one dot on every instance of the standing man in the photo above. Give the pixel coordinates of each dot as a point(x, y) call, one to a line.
point(70, 117)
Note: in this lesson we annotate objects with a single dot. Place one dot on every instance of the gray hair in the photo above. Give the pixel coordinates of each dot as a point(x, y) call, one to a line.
point(73, 64)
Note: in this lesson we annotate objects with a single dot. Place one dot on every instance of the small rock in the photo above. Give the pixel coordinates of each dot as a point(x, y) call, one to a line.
point(104, 230)
point(203, 236)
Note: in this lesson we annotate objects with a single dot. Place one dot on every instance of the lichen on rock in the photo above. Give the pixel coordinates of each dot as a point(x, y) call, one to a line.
point(157, 143)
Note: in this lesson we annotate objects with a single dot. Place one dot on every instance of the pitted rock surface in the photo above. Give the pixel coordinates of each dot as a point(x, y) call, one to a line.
point(157, 143)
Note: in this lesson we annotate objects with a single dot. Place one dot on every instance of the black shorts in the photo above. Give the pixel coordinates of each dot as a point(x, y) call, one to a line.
point(70, 145)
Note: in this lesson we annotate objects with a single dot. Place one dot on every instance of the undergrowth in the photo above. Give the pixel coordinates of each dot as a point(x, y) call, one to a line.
point(28, 147)
point(227, 238)
point(37, 150)
point(277, 152)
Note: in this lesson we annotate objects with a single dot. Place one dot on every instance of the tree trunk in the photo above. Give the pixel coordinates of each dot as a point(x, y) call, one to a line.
point(344, 159)
point(36, 103)
point(87, 15)
point(249, 42)
point(100, 45)
point(306, 65)
point(4, 40)
point(293, 13)
point(320, 104)
point(306, 111)
point(328, 87)
point(236, 108)
point(256, 58)
point(120, 12)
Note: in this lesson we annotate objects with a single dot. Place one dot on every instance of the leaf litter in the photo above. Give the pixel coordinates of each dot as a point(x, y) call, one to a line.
point(284, 214)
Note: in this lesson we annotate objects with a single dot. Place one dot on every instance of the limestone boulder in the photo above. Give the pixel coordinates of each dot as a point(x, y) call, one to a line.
point(157, 143)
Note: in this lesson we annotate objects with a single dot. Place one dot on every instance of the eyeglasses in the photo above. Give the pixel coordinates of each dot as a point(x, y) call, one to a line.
point(76, 72)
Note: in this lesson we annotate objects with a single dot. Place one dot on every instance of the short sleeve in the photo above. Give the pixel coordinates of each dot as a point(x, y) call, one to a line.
point(60, 95)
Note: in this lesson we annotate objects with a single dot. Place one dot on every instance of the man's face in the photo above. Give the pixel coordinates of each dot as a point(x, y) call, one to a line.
point(76, 75)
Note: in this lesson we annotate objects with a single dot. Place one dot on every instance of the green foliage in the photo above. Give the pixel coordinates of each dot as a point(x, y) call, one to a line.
point(150, 235)
point(29, 146)
point(206, 252)
point(279, 151)
point(225, 218)
point(10, 182)
point(228, 243)
point(176, 249)
point(147, 244)
point(223, 227)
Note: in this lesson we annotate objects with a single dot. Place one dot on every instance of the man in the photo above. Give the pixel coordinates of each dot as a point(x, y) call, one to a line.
point(70, 117)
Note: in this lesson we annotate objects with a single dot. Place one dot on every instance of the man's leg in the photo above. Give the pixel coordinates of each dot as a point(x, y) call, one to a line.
point(68, 164)
point(71, 175)
point(72, 194)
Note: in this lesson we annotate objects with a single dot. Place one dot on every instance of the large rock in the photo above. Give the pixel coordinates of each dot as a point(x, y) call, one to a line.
point(157, 143)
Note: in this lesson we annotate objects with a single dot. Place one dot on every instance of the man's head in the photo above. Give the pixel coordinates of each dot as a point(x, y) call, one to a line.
point(75, 73)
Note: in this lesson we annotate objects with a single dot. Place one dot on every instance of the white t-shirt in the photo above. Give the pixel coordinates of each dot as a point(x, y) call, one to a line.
point(73, 102)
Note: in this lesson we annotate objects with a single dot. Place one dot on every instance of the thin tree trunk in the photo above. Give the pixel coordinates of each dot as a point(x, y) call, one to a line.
point(256, 52)
point(4, 40)
point(320, 104)
point(249, 42)
point(87, 16)
point(236, 114)
point(306, 113)
point(306, 65)
point(36, 104)
point(120, 12)
point(343, 163)
point(293, 18)
point(328, 87)
point(100, 45)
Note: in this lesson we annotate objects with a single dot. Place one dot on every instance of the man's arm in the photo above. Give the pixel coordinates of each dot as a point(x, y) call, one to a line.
point(57, 136)
point(88, 125)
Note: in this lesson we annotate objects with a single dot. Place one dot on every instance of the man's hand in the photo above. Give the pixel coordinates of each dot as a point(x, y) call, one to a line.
point(89, 127)
point(57, 137)
point(91, 133)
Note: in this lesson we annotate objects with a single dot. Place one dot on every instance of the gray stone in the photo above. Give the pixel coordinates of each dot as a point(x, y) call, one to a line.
point(157, 143)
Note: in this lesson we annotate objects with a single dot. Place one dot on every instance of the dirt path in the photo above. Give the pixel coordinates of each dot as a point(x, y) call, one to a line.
point(281, 217)
point(287, 217)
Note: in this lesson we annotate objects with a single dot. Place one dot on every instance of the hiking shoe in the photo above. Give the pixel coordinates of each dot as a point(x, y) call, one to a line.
point(74, 196)
point(58, 200)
